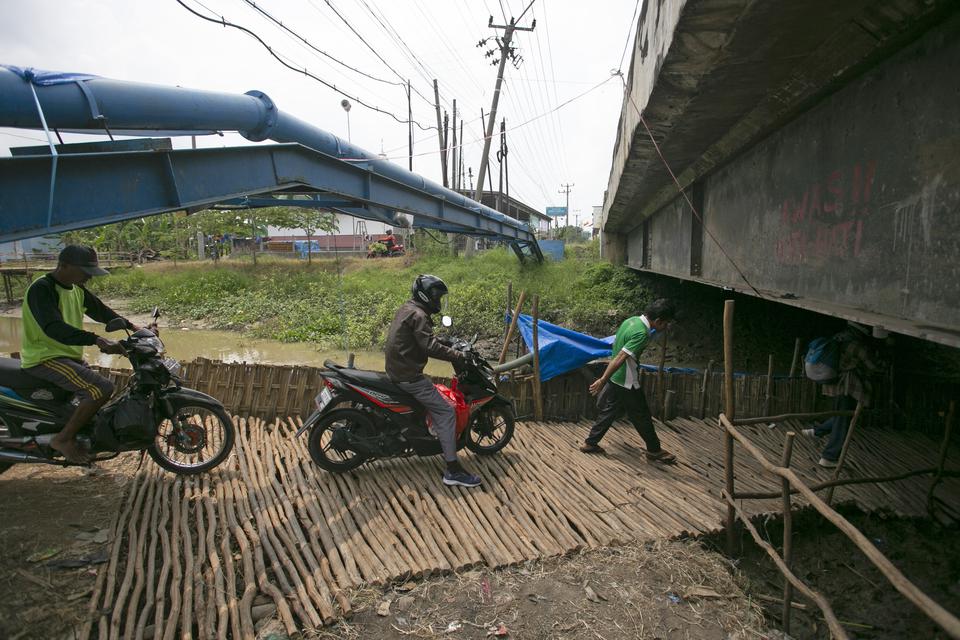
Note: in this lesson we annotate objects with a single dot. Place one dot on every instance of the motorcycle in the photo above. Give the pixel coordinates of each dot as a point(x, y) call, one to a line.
point(183, 430)
point(362, 415)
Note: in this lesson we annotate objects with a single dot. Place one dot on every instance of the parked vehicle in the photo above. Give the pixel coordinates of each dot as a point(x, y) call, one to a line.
point(362, 415)
point(184, 431)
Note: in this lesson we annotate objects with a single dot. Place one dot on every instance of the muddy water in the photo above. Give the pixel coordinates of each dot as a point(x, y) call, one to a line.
point(228, 346)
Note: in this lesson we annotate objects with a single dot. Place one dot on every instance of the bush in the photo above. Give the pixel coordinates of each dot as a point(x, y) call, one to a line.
point(296, 302)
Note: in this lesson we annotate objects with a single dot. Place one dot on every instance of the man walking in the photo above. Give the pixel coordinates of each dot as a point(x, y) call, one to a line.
point(619, 387)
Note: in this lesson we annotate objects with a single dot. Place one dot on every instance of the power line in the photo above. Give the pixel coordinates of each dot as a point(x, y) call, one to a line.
point(320, 51)
point(224, 22)
point(375, 52)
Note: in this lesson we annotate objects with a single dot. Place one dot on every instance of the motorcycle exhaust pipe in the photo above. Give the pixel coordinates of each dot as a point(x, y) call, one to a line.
point(18, 457)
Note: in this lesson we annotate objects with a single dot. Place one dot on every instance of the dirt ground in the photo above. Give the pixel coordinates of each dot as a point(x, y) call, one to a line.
point(53, 538)
point(861, 597)
point(664, 590)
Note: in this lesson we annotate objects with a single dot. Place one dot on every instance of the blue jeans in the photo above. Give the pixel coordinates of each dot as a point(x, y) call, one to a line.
point(836, 427)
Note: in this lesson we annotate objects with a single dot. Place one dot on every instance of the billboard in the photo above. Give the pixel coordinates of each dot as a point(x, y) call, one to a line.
point(556, 212)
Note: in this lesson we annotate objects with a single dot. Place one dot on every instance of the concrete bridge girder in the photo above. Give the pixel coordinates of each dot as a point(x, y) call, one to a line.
point(832, 186)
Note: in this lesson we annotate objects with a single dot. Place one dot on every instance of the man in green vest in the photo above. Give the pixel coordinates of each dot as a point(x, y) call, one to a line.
point(53, 340)
point(619, 390)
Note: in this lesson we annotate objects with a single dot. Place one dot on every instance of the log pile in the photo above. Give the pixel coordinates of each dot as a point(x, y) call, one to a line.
point(270, 534)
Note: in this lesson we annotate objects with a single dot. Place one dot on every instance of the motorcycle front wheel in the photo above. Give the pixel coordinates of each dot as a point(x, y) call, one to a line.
point(330, 440)
point(491, 429)
point(196, 439)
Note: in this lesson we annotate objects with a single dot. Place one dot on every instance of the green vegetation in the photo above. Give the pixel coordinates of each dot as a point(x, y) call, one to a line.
point(293, 301)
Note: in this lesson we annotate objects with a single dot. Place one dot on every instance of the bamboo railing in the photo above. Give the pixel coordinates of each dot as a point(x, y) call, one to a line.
point(790, 484)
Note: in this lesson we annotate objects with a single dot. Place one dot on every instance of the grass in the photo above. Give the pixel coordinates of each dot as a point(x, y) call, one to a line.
point(296, 302)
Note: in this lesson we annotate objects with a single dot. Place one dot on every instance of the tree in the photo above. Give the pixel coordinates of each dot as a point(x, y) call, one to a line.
point(308, 220)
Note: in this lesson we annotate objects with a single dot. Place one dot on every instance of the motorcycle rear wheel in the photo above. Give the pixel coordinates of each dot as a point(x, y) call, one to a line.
point(328, 448)
point(201, 439)
point(490, 430)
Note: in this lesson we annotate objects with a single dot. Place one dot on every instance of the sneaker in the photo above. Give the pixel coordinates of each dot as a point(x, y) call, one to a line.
point(810, 433)
point(829, 464)
point(591, 448)
point(460, 479)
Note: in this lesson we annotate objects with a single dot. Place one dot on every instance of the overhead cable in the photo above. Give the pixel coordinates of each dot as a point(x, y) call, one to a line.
point(224, 22)
point(318, 50)
point(375, 52)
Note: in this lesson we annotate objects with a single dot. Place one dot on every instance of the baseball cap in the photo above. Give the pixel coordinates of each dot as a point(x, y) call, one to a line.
point(83, 257)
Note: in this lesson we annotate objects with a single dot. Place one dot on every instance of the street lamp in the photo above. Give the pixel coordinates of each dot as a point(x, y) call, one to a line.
point(346, 107)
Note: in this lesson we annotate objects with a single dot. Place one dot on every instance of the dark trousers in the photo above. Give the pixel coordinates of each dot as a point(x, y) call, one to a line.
point(836, 427)
point(612, 403)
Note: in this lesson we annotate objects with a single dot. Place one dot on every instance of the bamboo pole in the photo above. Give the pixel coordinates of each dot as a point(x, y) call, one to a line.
point(796, 358)
point(942, 458)
point(509, 306)
point(843, 451)
point(831, 619)
point(703, 390)
point(537, 391)
point(767, 395)
point(937, 613)
point(513, 327)
point(661, 395)
point(783, 417)
point(787, 531)
point(729, 412)
point(761, 495)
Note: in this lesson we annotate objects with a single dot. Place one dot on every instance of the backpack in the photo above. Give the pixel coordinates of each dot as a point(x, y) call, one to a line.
point(820, 364)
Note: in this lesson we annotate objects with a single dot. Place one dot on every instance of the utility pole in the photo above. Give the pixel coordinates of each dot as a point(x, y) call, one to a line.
point(461, 155)
point(443, 143)
point(506, 53)
point(455, 173)
point(566, 190)
point(410, 124)
point(500, 157)
point(470, 174)
point(446, 148)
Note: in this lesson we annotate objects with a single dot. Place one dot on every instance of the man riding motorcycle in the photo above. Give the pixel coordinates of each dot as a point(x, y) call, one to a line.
point(410, 341)
point(53, 340)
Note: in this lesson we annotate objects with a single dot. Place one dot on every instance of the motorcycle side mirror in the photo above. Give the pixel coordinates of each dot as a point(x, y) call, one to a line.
point(156, 313)
point(117, 324)
point(446, 321)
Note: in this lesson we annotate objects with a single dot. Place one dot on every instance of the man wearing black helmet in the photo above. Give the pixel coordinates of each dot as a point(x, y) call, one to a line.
point(410, 342)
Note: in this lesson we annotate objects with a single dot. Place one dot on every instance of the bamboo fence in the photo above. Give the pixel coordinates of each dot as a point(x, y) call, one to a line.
point(275, 391)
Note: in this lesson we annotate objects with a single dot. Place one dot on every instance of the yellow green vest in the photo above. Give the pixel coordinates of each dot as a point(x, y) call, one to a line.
point(35, 345)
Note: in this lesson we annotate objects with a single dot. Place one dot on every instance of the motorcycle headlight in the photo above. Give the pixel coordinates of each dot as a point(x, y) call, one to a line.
point(155, 343)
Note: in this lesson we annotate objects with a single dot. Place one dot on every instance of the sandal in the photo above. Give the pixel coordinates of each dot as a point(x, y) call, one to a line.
point(662, 456)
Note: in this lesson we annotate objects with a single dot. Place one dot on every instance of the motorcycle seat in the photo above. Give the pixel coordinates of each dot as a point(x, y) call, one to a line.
point(373, 379)
point(12, 376)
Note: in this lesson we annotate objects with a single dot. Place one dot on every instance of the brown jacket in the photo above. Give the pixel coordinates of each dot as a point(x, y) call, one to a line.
point(410, 341)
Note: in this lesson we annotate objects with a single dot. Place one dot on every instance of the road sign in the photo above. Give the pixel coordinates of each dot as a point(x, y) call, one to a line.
point(556, 212)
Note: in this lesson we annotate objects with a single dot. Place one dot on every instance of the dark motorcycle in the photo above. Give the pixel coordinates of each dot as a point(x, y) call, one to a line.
point(363, 415)
point(184, 431)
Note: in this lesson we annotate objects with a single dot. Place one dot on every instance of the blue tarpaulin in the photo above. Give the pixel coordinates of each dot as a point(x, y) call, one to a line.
point(563, 350)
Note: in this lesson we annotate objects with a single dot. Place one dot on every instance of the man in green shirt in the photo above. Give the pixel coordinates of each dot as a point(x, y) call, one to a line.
point(619, 391)
point(53, 340)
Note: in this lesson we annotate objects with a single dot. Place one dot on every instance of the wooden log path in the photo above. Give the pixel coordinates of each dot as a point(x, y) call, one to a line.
point(269, 533)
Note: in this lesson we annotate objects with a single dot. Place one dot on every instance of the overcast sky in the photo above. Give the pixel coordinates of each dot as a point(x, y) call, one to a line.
point(574, 47)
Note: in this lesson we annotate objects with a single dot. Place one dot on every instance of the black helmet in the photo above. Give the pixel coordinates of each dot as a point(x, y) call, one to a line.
point(429, 290)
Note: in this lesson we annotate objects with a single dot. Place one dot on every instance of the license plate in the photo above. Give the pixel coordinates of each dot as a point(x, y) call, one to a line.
point(323, 399)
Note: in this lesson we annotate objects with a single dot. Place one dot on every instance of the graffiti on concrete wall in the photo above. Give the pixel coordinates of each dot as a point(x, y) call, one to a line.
point(827, 220)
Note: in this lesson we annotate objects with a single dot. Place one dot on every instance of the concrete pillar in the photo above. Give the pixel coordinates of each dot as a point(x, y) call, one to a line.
point(613, 247)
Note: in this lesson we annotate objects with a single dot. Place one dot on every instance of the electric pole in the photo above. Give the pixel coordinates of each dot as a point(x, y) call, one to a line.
point(506, 53)
point(443, 142)
point(566, 190)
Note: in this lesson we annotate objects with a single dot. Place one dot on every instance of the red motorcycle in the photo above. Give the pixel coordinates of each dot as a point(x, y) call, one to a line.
point(362, 415)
